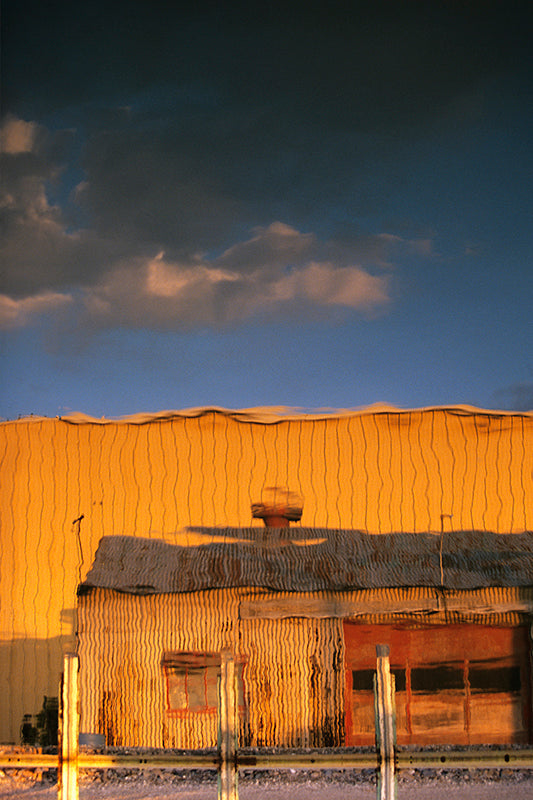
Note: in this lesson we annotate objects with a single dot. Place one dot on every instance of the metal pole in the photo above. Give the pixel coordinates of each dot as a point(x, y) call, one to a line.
point(385, 725)
point(227, 729)
point(69, 731)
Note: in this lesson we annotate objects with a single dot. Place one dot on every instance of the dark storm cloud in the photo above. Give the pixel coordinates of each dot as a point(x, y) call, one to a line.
point(37, 249)
point(240, 117)
point(187, 128)
point(347, 62)
point(157, 187)
point(116, 268)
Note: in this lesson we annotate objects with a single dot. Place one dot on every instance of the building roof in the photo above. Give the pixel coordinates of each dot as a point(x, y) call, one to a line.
point(271, 414)
point(311, 559)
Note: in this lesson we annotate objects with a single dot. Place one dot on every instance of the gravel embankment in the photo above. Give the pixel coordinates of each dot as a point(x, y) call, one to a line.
point(492, 784)
point(288, 784)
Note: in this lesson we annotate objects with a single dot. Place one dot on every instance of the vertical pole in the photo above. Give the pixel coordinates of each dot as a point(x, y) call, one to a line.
point(385, 724)
point(227, 729)
point(530, 678)
point(69, 730)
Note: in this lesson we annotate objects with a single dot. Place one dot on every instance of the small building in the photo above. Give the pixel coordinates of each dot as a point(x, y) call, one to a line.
point(302, 609)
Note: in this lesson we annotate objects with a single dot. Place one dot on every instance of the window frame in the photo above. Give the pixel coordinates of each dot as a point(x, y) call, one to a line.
point(176, 663)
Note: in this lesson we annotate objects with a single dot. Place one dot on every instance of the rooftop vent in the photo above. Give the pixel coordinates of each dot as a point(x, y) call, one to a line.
point(278, 507)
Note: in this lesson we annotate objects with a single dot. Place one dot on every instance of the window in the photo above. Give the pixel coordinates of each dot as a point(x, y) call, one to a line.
point(363, 679)
point(437, 678)
point(192, 682)
point(484, 678)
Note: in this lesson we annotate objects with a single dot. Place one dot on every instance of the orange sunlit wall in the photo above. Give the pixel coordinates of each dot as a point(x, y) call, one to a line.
point(377, 470)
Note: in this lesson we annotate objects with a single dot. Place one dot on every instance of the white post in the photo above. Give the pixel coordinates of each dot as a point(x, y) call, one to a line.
point(69, 731)
point(385, 724)
point(227, 729)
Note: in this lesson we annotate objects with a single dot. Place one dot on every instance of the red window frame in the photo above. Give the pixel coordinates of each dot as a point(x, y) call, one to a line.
point(192, 671)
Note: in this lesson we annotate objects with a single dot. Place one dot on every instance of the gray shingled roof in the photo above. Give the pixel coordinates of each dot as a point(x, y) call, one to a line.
point(311, 559)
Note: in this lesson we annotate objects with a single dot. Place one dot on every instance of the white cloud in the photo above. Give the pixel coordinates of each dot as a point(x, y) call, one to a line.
point(17, 313)
point(352, 287)
point(171, 280)
point(254, 277)
point(17, 136)
point(271, 247)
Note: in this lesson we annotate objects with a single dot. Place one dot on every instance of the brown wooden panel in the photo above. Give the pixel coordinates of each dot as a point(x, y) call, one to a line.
point(503, 711)
point(434, 716)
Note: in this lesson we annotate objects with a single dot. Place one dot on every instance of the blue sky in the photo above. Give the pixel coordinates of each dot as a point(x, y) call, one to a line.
point(308, 205)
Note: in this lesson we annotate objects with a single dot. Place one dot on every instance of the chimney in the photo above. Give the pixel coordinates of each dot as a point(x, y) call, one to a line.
point(278, 507)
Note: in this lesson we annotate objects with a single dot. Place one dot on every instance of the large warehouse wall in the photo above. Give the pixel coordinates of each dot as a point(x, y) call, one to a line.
point(65, 483)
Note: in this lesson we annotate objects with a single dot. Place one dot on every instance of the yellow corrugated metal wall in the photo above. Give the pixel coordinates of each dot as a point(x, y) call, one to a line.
point(377, 471)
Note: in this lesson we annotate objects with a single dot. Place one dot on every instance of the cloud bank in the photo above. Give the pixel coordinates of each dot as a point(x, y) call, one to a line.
point(208, 168)
point(231, 289)
point(113, 277)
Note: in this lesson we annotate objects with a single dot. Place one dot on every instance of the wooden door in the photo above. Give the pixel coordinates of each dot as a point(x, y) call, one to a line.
point(455, 684)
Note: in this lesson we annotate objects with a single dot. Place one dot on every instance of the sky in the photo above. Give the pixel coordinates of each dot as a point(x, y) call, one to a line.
point(310, 205)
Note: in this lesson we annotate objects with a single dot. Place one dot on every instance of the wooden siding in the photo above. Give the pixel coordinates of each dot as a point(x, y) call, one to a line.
point(377, 471)
point(487, 606)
